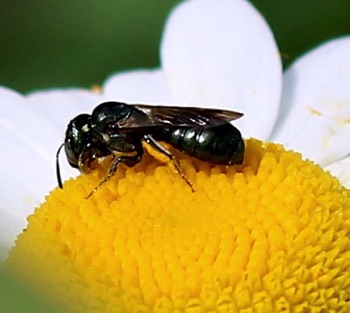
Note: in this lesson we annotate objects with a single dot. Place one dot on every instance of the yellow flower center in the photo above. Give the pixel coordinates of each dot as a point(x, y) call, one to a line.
point(271, 235)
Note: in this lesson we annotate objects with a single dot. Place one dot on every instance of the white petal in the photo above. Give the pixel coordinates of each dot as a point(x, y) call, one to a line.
point(11, 225)
point(221, 53)
point(31, 130)
point(139, 86)
point(341, 170)
point(62, 105)
point(24, 167)
point(315, 108)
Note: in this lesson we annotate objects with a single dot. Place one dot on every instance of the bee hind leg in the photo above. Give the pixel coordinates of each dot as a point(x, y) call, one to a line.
point(168, 156)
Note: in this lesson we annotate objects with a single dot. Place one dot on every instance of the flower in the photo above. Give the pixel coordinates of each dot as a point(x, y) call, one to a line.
point(213, 54)
point(271, 235)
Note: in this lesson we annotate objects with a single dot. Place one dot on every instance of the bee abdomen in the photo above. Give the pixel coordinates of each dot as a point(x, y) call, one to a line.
point(218, 145)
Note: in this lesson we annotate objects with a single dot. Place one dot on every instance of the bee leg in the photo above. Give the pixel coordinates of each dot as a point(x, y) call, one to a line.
point(128, 160)
point(85, 161)
point(159, 148)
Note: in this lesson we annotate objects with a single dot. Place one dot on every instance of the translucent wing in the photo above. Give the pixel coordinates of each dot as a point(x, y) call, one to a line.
point(162, 116)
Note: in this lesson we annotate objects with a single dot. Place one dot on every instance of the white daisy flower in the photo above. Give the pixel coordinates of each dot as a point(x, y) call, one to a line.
point(214, 53)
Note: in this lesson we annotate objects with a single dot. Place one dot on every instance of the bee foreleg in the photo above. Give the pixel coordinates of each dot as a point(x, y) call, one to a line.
point(129, 160)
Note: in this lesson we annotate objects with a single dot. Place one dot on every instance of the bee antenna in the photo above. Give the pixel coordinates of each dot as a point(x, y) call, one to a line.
point(58, 172)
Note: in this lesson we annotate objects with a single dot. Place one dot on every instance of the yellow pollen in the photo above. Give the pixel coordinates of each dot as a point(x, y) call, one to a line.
point(271, 235)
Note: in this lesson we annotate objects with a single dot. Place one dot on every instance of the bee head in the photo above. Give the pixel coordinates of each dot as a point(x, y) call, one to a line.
point(78, 138)
point(76, 141)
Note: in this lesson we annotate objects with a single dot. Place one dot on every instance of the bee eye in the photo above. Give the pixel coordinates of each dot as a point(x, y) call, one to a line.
point(72, 153)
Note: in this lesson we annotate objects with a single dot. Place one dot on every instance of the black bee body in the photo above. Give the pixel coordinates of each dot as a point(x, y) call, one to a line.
point(119, 129)
point(221, 144)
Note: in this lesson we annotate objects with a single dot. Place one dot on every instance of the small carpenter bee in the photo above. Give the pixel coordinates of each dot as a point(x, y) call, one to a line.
point(120, 129)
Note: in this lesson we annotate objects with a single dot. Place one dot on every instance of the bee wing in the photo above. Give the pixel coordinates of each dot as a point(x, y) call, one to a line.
point(160, 116)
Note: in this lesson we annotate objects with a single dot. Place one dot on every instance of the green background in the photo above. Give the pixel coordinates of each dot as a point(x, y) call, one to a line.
point(50, 43)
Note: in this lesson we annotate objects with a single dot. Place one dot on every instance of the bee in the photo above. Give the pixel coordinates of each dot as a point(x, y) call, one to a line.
point(121, 130)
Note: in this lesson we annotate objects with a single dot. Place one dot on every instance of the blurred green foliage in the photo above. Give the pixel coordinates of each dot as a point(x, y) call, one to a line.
point(47, 43)
point(16, 297)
